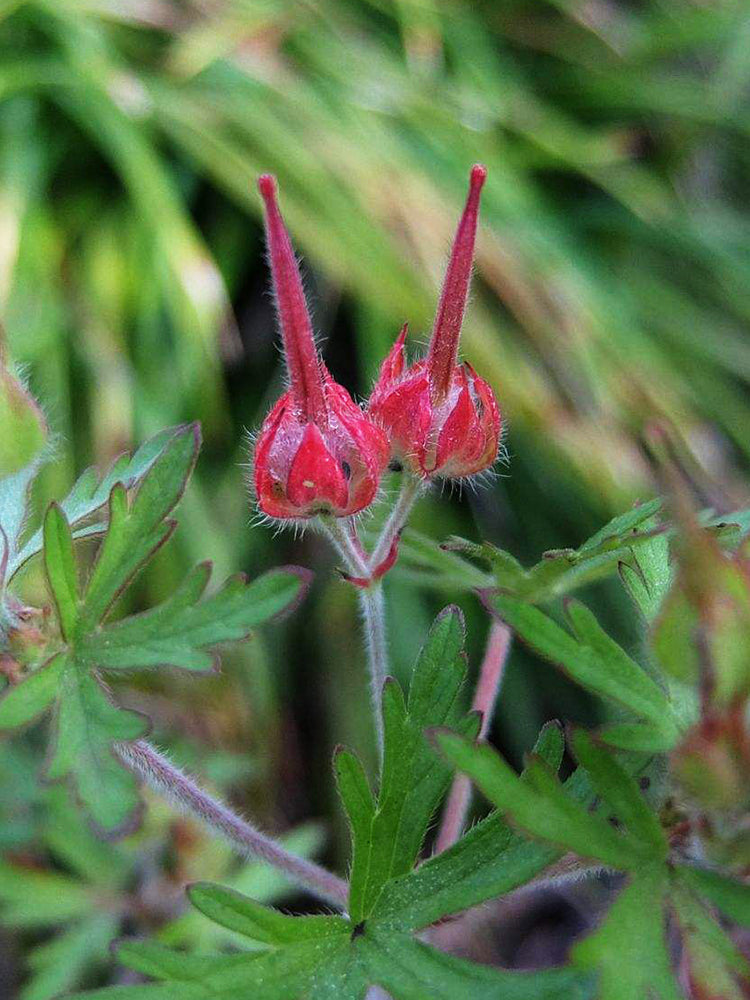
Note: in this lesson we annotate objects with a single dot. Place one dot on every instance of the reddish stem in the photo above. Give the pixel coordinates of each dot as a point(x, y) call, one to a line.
point(182, 791)
point(443, 350)
point(485, 698)
point(305, 372)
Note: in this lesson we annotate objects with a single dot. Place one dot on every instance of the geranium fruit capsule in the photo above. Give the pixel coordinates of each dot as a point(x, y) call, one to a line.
point(317, 452)
point(441, 418)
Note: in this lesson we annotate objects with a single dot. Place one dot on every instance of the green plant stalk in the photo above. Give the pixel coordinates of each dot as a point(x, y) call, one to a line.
point(345, 539)
point(372, 606)
point(372, 599)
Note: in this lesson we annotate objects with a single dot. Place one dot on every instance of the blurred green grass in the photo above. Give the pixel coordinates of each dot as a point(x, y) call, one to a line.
point(612, 289)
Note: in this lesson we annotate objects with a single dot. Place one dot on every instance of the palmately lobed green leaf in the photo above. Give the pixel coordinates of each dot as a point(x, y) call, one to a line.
point(160, 991)
point(153, 959)
point(387, 840)
point(183, 630)
point(636, 736)
point(560, 572)
point(60, 567)
point(621, 793)
point(715, 963)
point(338, 958)
point(359, 804)
point(635, 543)
point(330, 958)
point(236, 912)
point(86, 725)
point(411, 970)
point(590, 657)
point(488, 861)
point(648, 576)
point(90, 494)
point(557, 574)
point(280, 973)
point(540, 806)
point(137, 528)
point(620, 528)
point(71, 841)
point(629, 950)
point(730, 895)
point(22, 703)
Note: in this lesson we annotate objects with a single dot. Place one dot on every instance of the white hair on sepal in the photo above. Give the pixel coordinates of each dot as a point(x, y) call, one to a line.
point(478, 481)
point(248, 467)
point(258, 518)
point(298, 525)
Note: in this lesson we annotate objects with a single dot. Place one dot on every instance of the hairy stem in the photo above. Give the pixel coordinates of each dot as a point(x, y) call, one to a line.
point(346, 544)
point(411, 489)
point(371, 600)
point(372, 604)
point(183, 792)
point(485, 698)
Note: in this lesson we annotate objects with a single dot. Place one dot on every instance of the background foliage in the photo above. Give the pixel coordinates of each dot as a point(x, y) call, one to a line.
point(612, 292)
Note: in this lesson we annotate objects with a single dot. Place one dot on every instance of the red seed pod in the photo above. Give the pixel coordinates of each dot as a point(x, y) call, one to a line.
point(440, 416)
point(316, 452)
